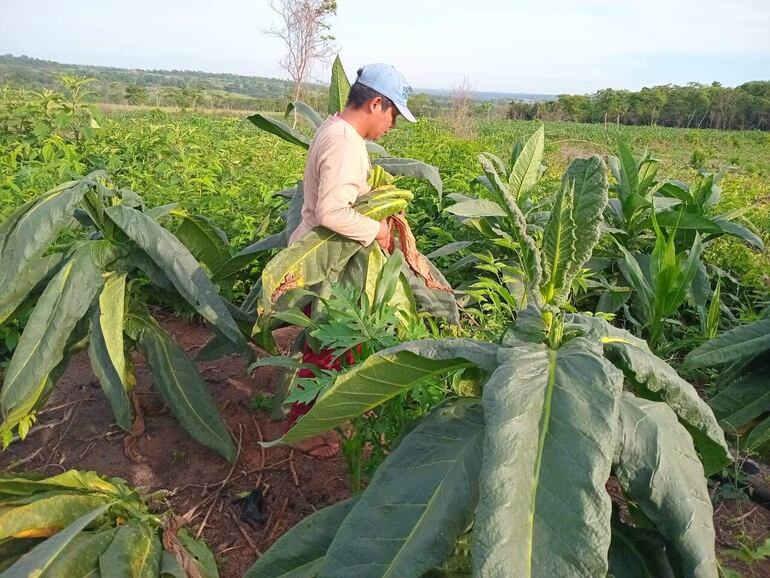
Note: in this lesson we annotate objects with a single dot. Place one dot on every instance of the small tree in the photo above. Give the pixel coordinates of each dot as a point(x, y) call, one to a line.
point(135, 94)
point(304, 31)
point(460, 110)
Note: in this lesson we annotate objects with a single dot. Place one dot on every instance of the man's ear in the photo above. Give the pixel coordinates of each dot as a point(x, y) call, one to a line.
point(376, 101)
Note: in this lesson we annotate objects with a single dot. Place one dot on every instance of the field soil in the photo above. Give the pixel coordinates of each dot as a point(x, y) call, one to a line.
point(76, 430)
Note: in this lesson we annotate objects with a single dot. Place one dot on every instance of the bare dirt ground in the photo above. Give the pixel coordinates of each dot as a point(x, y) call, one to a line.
point(76, 430)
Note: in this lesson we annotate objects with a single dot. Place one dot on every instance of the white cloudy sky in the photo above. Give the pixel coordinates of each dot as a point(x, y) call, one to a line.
point(546, 46)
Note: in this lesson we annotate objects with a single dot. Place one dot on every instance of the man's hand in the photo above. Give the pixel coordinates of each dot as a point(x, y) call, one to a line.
point(383, 237)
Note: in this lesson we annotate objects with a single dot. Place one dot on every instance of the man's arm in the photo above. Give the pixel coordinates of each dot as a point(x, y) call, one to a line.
point(338, 187)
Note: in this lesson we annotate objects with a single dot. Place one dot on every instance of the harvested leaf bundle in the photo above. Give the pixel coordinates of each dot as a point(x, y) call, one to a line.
point(322, 256)
point(93, 526)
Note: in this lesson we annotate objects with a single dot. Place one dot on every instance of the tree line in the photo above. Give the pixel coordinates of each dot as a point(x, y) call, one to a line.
point(691, 106)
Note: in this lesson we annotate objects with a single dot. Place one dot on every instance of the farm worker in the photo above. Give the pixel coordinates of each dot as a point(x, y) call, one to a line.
point(335, 175)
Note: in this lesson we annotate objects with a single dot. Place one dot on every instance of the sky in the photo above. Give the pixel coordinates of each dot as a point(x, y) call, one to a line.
point(543, 47)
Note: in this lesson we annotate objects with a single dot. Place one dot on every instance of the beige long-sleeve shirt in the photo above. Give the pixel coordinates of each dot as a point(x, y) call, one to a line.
point(335, 175)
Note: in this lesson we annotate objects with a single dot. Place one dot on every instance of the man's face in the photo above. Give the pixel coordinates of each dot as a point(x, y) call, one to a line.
point(381, 120)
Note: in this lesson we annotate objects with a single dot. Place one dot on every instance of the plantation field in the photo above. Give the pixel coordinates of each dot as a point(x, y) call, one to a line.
point(661, 292)
point(229, 171)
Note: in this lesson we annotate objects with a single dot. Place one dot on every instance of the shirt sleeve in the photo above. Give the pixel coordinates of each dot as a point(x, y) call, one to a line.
point(340, 180)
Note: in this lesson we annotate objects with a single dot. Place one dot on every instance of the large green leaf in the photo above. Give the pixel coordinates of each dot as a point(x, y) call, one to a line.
point(739, 343)
point(170, 566)
point(449, 249)
point(141, 262)
point(22, 486)
point(51, 514)
point(339, 87)
point(559, 246)
point(36, 272)
point(375, 272)
point(250, 254)
point(683, 220)
point(280, 130)
point(203, 557)
point(306, 111)
point(660, 472)
point(376, 149)
point(758, 436)
point(655, 379)
point(476, 208)
point(588, 178)
point(737, 230)
point(42, 344)
point(543, 509)
point(438, 302)
point(526, 169)
point(28, 232)
point(415, 169)
point(180, 267)
point(106, 350)
point(648, 170)
point(293, 215)
point(492, 167)
point(637, 553)
point(300, 551)
point(207, 243)
point(182, 388)
point(71, 479)
point(80, 558)
point(629, 172)
point(160, 211)
point(35, 562)
point(383, 376)
point(634, 275)
point(677, 190)
point(743, 400)
point(420, 500)
point(307, 261)
point(700, 289)
point(134, 553)
point(12, 550)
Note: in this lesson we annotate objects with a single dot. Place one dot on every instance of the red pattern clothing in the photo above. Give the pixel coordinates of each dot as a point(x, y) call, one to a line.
point(325, 360)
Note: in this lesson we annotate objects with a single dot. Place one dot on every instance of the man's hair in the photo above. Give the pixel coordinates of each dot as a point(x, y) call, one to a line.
point(359, 95)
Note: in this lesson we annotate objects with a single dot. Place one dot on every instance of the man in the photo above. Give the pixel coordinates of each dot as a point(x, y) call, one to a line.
point(336, 174)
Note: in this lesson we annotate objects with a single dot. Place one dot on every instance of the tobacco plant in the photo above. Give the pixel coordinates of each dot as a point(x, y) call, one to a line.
point(664, 282)
point(81, 524)
point(520, 472)
point(643, 206)
point(95, 292)
point(519, 176)
point(694, 211)
point(743, 398)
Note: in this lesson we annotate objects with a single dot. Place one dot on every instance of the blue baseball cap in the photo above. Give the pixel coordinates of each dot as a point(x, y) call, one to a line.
point(388, 82)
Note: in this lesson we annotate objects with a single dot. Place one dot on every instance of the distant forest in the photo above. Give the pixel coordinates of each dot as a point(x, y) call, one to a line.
point(181, 88)
point(693, 106)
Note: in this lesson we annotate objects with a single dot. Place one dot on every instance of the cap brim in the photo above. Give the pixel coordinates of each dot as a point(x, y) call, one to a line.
point(405, 112)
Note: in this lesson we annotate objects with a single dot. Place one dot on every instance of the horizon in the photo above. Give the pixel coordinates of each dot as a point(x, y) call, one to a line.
point(416, 90)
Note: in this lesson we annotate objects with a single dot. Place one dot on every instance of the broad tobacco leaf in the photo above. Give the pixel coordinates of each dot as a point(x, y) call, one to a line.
point(543, 508)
